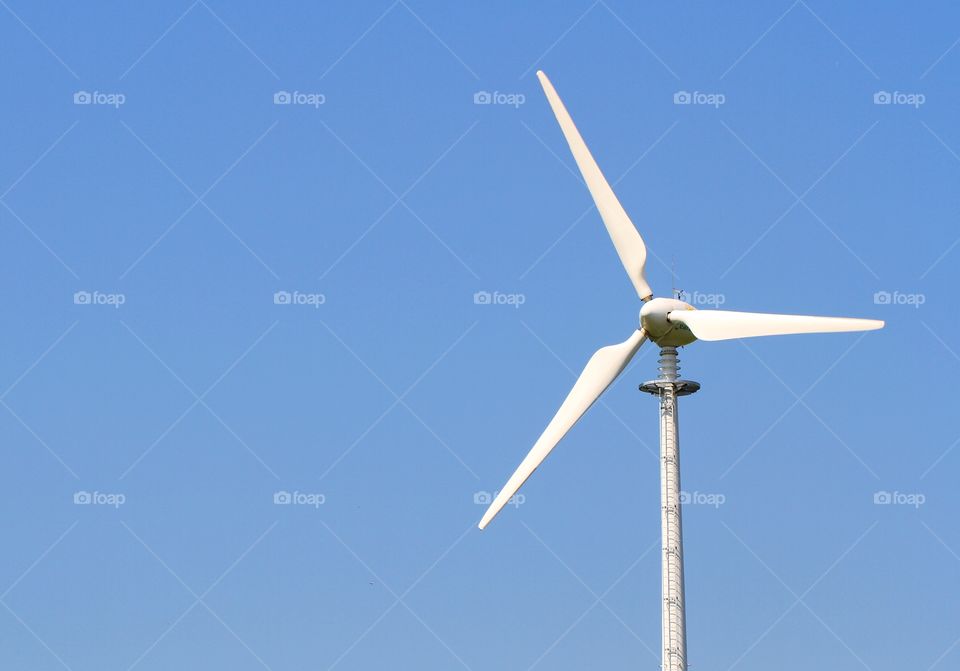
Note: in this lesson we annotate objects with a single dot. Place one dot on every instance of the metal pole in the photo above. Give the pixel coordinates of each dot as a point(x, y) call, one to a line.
point(673, 618)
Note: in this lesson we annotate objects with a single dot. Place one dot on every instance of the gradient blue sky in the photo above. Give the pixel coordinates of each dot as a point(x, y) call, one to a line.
point(398, 399)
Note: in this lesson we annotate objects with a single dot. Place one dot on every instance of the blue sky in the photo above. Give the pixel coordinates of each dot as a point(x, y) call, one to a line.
point(149, 420)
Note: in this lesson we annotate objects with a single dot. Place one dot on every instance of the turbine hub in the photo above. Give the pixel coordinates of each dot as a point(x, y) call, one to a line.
point(655, 320)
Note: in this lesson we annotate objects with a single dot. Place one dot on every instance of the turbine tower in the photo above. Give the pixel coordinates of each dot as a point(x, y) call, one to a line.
point(668, 386)
point(670, 323)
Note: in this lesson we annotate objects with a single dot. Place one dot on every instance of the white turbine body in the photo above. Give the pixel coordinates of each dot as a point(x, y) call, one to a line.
point(669, 323)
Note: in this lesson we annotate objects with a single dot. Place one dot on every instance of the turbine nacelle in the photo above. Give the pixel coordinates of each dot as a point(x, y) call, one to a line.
point(655, 321)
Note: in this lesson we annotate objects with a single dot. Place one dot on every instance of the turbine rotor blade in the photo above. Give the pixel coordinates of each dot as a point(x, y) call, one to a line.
point(626, 238)
point(726, 325)
point(602, 369)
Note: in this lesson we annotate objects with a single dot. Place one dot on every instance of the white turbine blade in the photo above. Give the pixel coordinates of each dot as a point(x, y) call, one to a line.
point(602, 369)
point(626, 238)
point(725, 325)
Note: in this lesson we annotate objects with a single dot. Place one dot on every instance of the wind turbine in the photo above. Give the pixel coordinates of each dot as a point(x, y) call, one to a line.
point(670, 323)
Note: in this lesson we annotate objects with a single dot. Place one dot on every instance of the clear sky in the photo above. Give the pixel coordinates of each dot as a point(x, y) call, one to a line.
point(158, 393)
